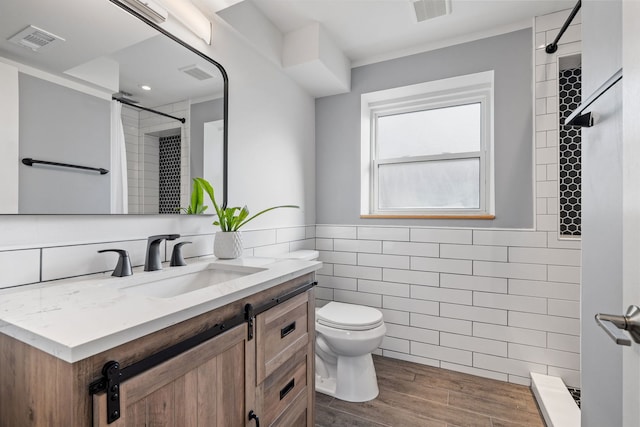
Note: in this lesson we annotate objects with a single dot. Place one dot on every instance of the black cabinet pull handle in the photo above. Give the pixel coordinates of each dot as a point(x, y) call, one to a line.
point(287, 330)
point(253, 416)
point(290, 385)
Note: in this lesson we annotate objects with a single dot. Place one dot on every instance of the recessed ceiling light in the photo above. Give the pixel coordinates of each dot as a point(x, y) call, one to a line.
point(145, 87)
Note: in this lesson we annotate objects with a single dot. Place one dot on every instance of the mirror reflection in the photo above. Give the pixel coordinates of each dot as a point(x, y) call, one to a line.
point(109, 93)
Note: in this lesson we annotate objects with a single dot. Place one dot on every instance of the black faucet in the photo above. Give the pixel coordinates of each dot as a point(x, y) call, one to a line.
point(152, 261)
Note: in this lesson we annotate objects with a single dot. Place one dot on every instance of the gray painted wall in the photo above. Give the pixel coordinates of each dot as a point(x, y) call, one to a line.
point(601, 359)
point(62, 125)
point(200, 114)
point(338, 128)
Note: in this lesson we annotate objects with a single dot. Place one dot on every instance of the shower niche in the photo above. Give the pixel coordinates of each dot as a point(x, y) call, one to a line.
point(569, 146)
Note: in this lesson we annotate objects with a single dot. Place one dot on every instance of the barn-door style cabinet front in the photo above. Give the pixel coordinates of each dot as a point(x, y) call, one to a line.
point(206, 386)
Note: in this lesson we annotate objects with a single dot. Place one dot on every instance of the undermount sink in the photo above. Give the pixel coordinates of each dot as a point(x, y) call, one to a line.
point(190, 281)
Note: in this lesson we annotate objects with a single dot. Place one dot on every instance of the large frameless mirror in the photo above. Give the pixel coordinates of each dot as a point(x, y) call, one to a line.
point(104, 113)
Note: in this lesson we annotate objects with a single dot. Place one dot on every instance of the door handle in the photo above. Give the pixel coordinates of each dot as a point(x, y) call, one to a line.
point(614, 324)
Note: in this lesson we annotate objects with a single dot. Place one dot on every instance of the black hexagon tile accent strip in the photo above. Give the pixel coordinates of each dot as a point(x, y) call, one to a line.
point(170, 149)
point(570, 154)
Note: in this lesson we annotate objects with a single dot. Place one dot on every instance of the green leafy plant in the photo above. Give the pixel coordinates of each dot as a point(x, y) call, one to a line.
point(231, 219)
point(197, 205)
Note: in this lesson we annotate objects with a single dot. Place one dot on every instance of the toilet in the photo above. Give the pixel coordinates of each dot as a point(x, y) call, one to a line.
point(346, 334)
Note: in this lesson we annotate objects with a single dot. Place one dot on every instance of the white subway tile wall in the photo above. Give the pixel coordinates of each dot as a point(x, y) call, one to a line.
point(48, 263)
point(494, 303)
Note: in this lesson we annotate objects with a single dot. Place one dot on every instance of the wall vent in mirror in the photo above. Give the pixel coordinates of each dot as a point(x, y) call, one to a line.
point(34, 38)
point(196, 72)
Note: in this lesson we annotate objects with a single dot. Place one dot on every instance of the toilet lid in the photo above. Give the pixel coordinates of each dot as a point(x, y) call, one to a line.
point(348, 316)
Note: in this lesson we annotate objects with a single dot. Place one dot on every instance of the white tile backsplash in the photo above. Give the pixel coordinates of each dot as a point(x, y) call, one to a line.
point(19, 267)
point(69, 261)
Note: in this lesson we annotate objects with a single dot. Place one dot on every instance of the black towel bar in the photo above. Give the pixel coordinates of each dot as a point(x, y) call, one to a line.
point(30, 162)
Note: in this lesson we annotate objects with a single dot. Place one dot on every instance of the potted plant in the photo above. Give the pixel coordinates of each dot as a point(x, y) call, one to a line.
point(228, 241)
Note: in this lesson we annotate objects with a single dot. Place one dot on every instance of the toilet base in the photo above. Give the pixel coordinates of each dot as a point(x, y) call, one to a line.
point(355, 380)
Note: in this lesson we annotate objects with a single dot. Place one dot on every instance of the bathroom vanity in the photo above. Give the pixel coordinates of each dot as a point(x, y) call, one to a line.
point(161, 348)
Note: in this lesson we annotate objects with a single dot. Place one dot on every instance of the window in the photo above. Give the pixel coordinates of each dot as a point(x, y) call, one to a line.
point(426, 149)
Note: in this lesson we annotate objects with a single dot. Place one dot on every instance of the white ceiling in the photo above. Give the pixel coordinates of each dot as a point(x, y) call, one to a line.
point(373, 30)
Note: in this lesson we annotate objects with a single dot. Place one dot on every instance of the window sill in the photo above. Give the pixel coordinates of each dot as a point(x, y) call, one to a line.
point(482, 217)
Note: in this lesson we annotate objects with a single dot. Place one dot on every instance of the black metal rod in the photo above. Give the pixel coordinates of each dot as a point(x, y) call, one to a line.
point(574, 118)
point(30, 162)
point(225, 100)
point(553, 47)
point(132, 104)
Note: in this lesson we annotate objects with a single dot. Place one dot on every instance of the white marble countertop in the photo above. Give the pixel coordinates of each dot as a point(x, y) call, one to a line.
point(77, 318)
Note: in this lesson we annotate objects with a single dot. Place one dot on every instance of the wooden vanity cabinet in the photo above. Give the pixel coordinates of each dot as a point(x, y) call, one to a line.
point(213, 384)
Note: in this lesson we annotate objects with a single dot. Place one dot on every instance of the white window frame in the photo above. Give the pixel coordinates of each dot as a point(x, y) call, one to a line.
point(461, 90)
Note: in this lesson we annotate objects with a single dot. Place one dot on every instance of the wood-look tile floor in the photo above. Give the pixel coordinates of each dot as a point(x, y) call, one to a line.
point(417, 395)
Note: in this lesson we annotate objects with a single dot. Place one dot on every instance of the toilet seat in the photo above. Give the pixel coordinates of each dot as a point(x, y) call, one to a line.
point(349, 317)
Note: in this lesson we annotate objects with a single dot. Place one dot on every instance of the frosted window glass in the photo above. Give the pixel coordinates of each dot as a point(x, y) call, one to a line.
point(452, 184)
point(430, 132)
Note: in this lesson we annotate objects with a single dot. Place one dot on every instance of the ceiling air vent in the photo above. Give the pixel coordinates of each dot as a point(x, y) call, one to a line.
point(35, 38)
point(196, 72)
point(429, 9)
point(149, 9)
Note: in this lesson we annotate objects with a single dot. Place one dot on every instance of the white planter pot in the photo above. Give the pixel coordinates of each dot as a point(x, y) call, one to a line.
point(227, 245)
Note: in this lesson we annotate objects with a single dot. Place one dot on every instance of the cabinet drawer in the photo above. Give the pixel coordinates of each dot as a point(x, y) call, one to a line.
point(284, 387)
point(280, 333)
point(296, 415)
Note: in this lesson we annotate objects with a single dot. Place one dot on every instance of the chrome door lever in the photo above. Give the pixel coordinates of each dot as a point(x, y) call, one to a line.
point(629, 322)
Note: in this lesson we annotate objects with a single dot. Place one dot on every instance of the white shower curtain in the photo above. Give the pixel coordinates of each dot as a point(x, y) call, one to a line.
point(119, 185)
